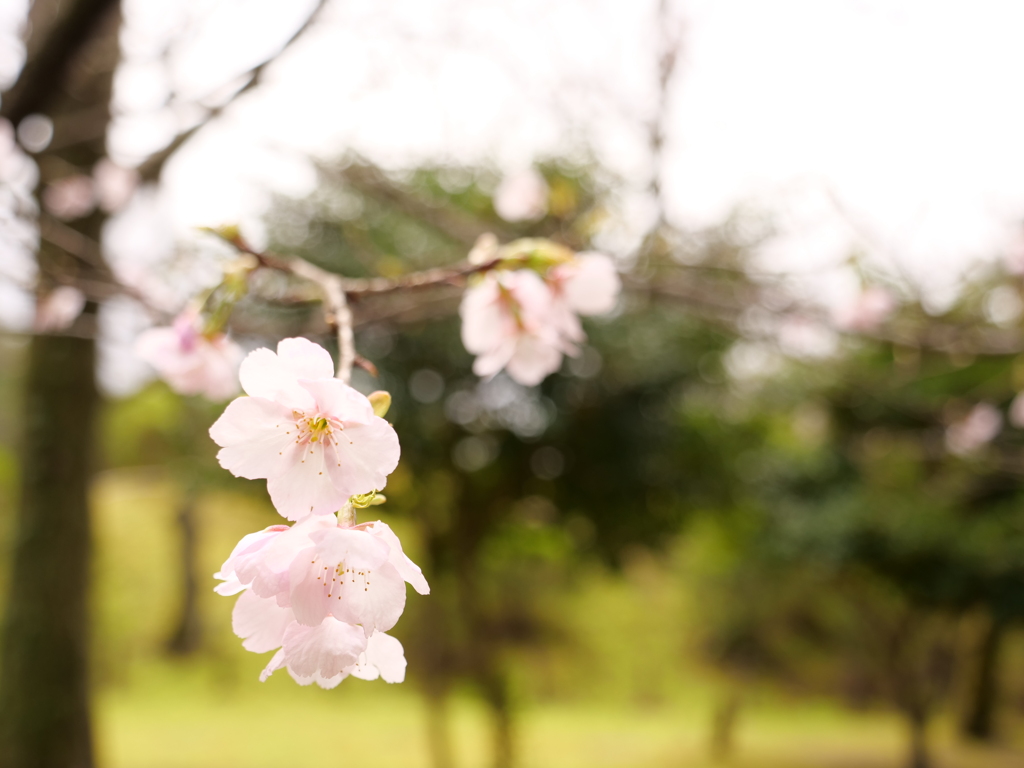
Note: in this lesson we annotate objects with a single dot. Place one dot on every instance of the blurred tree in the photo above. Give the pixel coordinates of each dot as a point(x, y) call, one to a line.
point(60, 106)
point(44, 696)
point(513, 485)
point(890, 477)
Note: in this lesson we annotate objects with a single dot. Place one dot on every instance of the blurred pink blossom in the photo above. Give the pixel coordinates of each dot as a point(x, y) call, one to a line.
point(70, 198)
point(58, 309)
point(868, 311)
point(114, 185)
point(516, 320)
point(315, 439)
point(523, 196)
point(508, 322)
point(589, 284)
point(979, 427)
point(189, 361)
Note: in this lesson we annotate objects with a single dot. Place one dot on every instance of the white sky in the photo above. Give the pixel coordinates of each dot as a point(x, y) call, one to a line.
point(906, 112)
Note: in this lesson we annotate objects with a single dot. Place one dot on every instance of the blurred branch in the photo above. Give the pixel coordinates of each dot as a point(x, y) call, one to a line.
point(86, 250)
point(670, 36)
point(456, 225)
point(151, 168)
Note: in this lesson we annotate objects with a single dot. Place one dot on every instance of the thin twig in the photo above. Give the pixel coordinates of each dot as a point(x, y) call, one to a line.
point(151, 168)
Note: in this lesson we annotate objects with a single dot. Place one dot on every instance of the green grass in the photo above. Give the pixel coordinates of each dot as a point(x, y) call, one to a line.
point(641, 706)
point(178, 716)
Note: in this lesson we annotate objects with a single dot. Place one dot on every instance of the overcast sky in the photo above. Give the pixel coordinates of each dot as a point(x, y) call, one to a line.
point(895, 124)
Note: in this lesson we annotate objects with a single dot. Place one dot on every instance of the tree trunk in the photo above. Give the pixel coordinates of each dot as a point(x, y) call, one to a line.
point(188, 632)
point(979, 722)
point(919, 757)
point(723, 727)
point(438, 735)
point(44, 694)
point(496, 694)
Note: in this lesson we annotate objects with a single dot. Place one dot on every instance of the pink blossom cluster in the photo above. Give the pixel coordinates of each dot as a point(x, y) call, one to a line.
point(523, 321)
point(190, 361)
point(322, 592)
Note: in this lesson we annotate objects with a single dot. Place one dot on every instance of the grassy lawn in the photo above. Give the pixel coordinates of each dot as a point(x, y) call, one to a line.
point(213, 712)
point(176, 716)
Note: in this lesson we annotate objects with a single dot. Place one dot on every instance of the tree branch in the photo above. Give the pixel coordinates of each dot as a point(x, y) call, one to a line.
point(151, 168)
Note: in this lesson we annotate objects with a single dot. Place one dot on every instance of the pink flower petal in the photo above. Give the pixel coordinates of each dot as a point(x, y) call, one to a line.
point(374, 598)
point(406, 568)
point(303, 483)
point(259, 622)
point(593, 285)
point(363, 456)
point(253, 434)
point(327, 649)
point(387, 655)
point(336, 398)
point(275, 376)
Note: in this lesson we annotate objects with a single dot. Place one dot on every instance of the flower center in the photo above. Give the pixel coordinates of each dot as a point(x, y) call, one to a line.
point(316, 429)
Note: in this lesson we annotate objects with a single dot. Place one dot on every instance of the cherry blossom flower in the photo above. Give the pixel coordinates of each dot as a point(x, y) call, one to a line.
point(516, 320)
point(315, 439)
point(191, 362)
point(324, 595)
point(522, 196)
point(508, 322)
point(329, 653)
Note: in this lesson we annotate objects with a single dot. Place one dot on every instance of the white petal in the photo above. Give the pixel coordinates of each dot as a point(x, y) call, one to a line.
point(253, 433)
point(406, 568)
point(303, 484)
point(485, 322)
point(374, 598)
point(259, 622)
point(364, 670)
point(276, 662)
point(362, 457)
point(231, 586)
point(307, 592)
point(387, 655)
point(593, 286)
point(336, 398)
point(533, 360)
point(306, 359)
point(355, 548)
point(328, 648)
point(276, 376)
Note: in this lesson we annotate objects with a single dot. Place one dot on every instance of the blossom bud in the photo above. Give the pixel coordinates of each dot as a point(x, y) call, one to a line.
point(381, 402)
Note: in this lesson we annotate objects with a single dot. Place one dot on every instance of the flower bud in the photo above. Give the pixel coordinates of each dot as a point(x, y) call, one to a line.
point(381, 402)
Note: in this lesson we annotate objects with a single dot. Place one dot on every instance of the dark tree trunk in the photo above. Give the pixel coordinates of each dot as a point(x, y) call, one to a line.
point(187, 636)
point(438, 735)
point(979, 722)
point(723, 727)
point(44, 694)
point(919, 756)
point(496, 694)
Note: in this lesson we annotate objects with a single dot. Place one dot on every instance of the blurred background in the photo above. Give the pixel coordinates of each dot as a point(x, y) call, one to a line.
point(772, 514)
